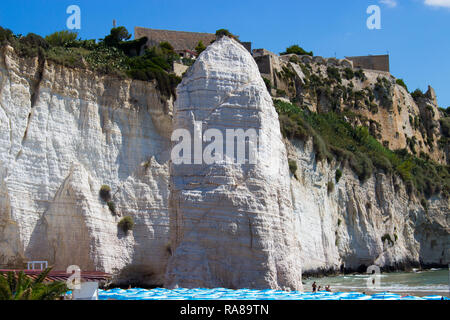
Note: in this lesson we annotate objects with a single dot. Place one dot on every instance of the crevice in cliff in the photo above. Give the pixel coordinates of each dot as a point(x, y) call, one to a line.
point(27, 127)
point(35, 85)
point(9, 121)
point(34, 92)
point(3, 84)
point(250, 228)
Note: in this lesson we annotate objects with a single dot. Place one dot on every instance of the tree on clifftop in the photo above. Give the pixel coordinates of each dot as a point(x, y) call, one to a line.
point(167, 47)
point(224, 32)
point(61, 38)
point(296, 49)
point(116, 36)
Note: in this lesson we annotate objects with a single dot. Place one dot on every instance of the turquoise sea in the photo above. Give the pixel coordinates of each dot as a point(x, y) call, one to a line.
point(421, 285)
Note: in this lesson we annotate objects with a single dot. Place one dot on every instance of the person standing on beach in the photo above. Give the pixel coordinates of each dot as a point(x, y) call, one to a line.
point(314, 287)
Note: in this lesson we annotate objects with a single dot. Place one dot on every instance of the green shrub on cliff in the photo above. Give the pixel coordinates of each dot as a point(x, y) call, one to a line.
point(293, 167)
point(268, 84)
point(296, 49)
point(402, 83)
point(155, 64)
point(31, 45)
point(6, 36)
point(61, 38)
point(417, 94)
point(445, 112)
point(360, 75)
point(126, 224)
point(116, 36)
point(330, 187)
point(445, 126)
point(111, 207)
point(68, 57)
point(383, 91)
point(105, 193)
point(349, 74)
point(225, 32)
point(334, 74)
point(334, 137)
point(115, 55)
point(338, 175)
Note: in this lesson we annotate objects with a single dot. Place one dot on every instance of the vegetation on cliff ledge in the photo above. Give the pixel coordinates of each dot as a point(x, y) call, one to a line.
point(334, 137)
point(115, 54)
point(126, 224)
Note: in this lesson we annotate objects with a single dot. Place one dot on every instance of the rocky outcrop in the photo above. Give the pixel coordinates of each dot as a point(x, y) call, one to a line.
point(394, 117)
point(232, 225)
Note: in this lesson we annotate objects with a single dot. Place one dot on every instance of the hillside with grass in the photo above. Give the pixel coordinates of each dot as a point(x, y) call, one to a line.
point(373, 99)
point(335, 138)
point(115, 55)
point(364, 119)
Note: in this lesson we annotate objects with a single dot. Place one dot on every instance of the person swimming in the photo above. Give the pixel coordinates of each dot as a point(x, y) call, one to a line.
point(327, 288)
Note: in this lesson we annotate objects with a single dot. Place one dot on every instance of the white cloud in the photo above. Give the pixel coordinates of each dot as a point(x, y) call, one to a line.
point(438, 3)
point(389, 3)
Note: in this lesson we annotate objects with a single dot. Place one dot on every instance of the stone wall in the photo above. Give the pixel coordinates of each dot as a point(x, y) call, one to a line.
point(262, 52)
point(380, 62)
point(180, 40)
point(264, 64)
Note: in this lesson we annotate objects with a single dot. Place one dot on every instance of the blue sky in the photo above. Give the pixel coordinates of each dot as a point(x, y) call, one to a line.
point(416, 33)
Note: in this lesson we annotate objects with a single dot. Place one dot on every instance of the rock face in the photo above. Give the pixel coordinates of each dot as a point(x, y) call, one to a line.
point(64, 133)
point(390, 112)
point(232, 225)
point(353, 225)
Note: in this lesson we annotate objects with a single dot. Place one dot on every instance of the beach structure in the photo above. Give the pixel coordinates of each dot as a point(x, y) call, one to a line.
point(31, 265)
point(87, 291)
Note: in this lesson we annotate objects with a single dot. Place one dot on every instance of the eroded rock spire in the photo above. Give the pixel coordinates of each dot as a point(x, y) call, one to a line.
point(232, 224)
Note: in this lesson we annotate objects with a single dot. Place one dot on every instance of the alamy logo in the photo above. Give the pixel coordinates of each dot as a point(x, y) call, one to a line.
point(74, 20)
point(74, 281)
point(373, 282)
point(374, 20)
point(237, 146)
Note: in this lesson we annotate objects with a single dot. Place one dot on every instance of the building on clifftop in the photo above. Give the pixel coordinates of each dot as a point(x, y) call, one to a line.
point(182, 41)
point(377, 62)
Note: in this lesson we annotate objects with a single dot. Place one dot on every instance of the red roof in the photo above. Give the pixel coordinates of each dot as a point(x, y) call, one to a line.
point(95, 276)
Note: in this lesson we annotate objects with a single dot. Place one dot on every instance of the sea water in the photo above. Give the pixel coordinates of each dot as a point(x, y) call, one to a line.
point(422, 283)
point(393, 286)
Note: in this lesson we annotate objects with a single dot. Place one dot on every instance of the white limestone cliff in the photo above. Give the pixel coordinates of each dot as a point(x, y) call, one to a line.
point(356, 224)
point(232, 225)
point(65, 132)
